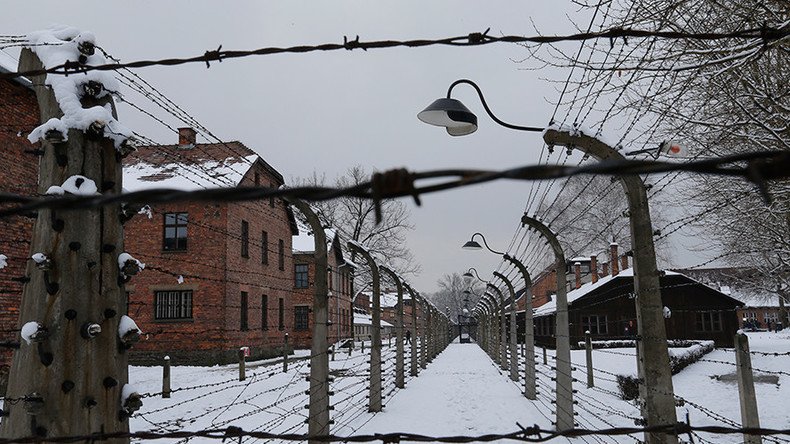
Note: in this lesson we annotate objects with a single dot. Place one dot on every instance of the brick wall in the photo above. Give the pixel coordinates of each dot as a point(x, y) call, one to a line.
point(18, 115)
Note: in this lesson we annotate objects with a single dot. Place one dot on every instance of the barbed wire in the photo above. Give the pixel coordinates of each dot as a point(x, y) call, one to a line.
point(764, 34)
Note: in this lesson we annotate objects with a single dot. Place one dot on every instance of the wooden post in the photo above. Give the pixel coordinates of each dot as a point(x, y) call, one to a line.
point(749, 415)
point(79, 381)
point(545, 361)
point(588, 348)
point(242, 365)
point(285, 353)
point(166, 378)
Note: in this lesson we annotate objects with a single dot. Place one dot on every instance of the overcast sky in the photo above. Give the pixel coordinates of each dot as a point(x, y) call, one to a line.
point(325, 112)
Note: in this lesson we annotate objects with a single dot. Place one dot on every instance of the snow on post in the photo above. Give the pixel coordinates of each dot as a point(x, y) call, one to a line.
point(3, 261)
point(76, 185)
point(42, 261)
point(667, 312)
point(33, 332)
point(56, 46)
point(128, 265)
point(128, 331)
point(130, 400)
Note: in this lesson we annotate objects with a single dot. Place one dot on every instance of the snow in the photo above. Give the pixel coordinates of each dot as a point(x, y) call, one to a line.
point(28, 330)
point(145, 210)
point(127, 391)
point(3, 261)
point(127, 325)
point(39, 258)
point(180, 279)
point(124, 257)
point(366, 319)
point(226, 173)
point(55, 46)
point(667, 312)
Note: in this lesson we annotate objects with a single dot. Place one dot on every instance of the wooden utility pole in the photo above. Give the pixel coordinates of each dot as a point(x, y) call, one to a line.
point(374, 404)
point(71, 375)
point(318, 421)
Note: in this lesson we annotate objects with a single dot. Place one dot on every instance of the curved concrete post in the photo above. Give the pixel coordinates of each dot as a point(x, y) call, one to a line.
point(424, 328)
point(399, 376)
point(318, 422)
point(564, 377)
point(374, 403)
point(657, 391)
point(502, 330)
point(413, 358)
point(529, 330)
point(491, 327)
point(513, 344)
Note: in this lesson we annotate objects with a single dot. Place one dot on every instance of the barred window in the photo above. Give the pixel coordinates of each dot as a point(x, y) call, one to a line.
point(301, 317)
point(175, 304)
point(301, 276)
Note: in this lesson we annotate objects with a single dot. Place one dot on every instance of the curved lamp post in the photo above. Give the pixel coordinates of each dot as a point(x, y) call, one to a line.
point(502, 331)
point(657, 390)
point(530, 390)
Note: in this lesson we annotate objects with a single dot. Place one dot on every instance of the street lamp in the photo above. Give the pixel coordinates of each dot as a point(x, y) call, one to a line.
point(657, 391)
point(474, 246)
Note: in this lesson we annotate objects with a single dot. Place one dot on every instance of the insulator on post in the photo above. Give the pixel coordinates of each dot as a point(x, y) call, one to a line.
point(54, 137)
point(34, 404)
point(90, 330)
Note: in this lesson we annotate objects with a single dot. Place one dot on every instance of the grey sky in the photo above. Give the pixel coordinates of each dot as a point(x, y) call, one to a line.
point(325, 112)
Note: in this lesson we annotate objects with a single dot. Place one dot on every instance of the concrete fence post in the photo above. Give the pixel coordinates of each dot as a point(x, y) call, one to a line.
point(166, 377)
point(749, 416)
point(242, 365)
point(588, 349)
point(285, 353)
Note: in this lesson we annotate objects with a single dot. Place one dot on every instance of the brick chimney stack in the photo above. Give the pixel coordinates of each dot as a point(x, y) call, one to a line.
point(577, 269)
point(613, 258)
point(624, 262)
point(594, 268)
point(187, 136)
point(604, 268)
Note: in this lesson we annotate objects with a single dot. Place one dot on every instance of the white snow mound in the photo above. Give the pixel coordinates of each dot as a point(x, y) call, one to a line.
point(127, 325)
point(28, 330)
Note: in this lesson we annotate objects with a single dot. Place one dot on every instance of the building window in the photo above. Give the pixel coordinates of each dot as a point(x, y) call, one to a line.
point(771, 316)
point(301, 317)
point(243, 319)
point(175, 238)
point(301, 276)
point(709, 321)
point(281, 315)
point(281, 254)
point(264, 312)
point(175, 304)
point(245, 239)
point(271, 199)
point(750, 315)
point(264, 248)
point(595, 324)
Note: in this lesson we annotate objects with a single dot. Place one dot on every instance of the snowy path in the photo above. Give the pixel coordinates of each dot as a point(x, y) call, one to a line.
point(460, 393)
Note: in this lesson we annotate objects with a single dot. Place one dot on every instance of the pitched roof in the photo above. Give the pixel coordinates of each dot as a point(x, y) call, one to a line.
point(191, 167)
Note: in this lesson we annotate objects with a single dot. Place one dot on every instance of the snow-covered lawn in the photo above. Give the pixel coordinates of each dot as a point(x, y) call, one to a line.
point(461, 393)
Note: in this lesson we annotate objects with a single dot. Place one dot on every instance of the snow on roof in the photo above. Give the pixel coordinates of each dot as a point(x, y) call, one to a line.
point(9, 63)
point(364, 319)
point(551, 306)
point(752, 299)
point(580, 259)
point(304, 242)
point(389, 299)
point(212, 165)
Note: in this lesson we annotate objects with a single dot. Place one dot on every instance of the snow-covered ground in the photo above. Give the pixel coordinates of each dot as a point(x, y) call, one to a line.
point(461, 393)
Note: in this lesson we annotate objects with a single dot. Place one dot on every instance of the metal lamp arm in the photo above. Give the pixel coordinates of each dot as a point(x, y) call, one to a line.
point(488, 110)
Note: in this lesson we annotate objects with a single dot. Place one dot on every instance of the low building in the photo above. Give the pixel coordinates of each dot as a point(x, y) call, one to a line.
point(607, 309)
point(363, 322)
point(218, 275)
point(340, 282)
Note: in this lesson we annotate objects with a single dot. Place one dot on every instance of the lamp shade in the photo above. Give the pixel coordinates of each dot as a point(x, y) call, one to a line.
point(467, 277)
point(472, 245)
point(451, 114)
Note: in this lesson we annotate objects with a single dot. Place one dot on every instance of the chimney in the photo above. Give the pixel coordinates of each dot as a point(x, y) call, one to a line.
point(577, 268)
point(604, 268)
point(594, 268)
point(613, 258)
point(186, 136)
point(624, 262)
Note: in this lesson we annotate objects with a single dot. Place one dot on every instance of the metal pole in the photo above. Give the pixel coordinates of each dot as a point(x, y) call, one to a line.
point(318, 420)
point(749, 415)
point(375, 346)
point(564, 377)
point(513, 344)
point(658, 395)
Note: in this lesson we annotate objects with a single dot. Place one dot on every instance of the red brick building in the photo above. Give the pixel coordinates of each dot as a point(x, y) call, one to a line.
point(19, 114)
point(219, 276)
point(340, 281)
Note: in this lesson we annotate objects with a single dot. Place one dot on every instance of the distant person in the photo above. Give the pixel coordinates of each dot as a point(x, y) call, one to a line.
point(408, 336)
point(630, 329)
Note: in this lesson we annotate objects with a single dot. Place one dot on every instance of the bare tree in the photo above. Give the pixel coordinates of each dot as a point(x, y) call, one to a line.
point(451, 294)
point(354, 219)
